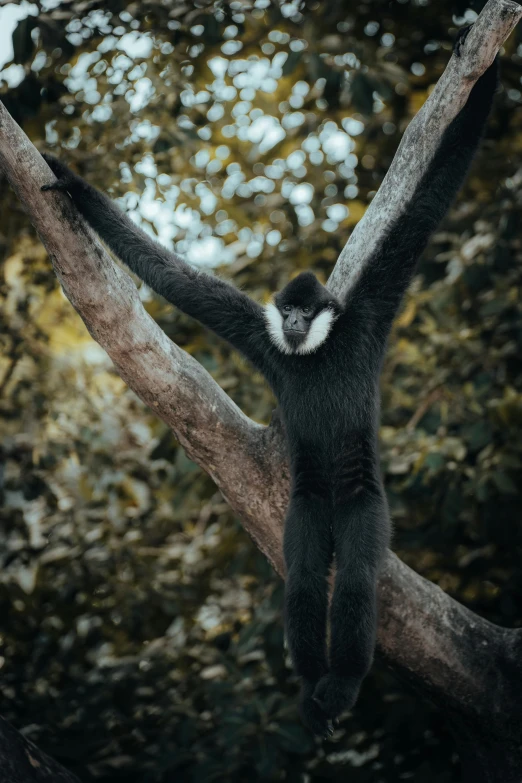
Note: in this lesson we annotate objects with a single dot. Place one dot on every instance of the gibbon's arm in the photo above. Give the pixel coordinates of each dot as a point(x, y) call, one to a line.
point(386, 276)
point(216, 304)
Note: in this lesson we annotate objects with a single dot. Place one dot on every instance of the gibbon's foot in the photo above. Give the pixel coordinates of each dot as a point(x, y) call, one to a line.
point(311, 713)
point(461, 37)
point(335, 694)
point(65, 177)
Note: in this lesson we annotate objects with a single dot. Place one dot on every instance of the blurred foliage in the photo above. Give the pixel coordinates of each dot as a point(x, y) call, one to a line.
point(141, 636)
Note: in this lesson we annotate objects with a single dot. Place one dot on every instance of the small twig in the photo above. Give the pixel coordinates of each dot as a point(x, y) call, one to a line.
point(8, 374)
point(435, 395)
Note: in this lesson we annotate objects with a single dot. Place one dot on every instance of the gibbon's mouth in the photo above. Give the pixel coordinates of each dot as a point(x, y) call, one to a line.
point(294, 331)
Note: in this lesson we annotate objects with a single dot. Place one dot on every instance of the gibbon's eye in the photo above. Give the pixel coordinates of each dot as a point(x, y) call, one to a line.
point(287, 309)
point(306, 310)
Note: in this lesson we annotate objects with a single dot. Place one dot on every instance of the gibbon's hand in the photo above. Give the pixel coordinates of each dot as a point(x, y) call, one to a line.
point(65, 178)
point(462, 34)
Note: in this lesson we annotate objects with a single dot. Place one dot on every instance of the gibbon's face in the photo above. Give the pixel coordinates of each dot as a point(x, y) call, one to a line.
point(301, 315)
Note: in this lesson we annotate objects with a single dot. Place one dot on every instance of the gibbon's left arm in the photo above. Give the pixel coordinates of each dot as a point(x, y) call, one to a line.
point(216, 304)
point(388, 273)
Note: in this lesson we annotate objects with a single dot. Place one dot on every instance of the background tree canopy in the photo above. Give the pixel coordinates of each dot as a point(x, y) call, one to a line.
point(141, 632)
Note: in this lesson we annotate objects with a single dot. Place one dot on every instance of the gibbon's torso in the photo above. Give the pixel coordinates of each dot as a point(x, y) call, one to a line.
point(329, 401)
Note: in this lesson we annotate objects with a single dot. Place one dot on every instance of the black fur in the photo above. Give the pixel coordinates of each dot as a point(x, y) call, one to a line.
point(329, 401)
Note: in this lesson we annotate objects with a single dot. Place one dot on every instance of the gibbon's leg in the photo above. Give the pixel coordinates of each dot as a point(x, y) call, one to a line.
point(308, 555)
point(361, 531)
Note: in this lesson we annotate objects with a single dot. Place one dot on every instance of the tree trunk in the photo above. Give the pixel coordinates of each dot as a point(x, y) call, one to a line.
point(488, 758)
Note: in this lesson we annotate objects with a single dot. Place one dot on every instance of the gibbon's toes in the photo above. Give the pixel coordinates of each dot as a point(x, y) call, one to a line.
point(314, 718)
point(334, 694)
point(311, 714)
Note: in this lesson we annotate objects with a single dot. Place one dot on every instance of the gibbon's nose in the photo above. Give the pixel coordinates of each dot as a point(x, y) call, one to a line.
point(294, 322)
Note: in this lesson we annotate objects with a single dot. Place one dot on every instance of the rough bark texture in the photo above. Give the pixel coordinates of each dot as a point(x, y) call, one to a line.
point(23, 762)
point(469, 667)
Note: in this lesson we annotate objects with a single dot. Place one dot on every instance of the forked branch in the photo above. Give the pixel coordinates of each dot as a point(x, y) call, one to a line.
point(444, 650)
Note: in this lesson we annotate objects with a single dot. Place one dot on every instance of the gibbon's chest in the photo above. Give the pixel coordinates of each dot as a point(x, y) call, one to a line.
point(334, 386)
point(317, 383)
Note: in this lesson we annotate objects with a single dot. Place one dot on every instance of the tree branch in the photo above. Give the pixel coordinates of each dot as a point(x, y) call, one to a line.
point(212, 429)
point(23, 762)
point(442, 648)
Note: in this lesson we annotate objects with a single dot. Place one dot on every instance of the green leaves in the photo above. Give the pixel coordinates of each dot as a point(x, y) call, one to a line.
point(294, 738)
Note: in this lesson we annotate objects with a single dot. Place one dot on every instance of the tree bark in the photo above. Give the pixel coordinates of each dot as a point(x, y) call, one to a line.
point(469, 667)
point(23, 762)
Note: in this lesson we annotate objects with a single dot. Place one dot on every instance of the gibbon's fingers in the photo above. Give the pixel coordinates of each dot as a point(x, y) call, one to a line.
point(65, 178)
point(60, 184)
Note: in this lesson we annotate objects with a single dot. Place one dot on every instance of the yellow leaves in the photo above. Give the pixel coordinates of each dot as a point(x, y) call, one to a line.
point(138, 493)
point(84, 487)
point(508, 410)
point(417, 99)
point(407, 352)
point(357, 209)
point(13, 268)
point(63, 326)
point(408, 314)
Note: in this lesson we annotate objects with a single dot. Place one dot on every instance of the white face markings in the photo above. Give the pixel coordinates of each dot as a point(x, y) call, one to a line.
point(318, 332)
point(274, 324)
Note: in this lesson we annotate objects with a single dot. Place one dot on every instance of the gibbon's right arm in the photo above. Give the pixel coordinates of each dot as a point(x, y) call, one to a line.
point(387, 274)
point(216, 304)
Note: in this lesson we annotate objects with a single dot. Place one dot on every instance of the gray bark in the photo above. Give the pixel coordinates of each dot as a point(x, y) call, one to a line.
point(469, 667)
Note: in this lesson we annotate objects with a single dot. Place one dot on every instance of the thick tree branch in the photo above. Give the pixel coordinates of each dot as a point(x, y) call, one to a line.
point(212, 429)
point(442, 648)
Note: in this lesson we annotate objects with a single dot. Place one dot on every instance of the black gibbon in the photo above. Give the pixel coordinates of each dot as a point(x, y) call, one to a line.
point(322, 357)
